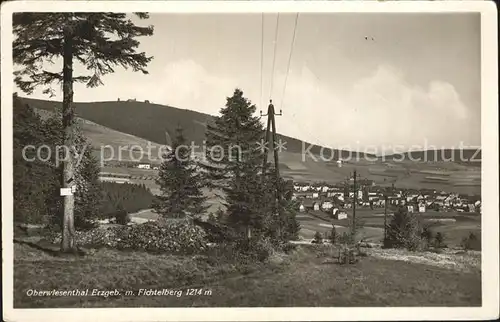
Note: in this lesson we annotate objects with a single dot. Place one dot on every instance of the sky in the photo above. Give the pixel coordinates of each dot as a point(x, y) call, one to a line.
point(367, 82)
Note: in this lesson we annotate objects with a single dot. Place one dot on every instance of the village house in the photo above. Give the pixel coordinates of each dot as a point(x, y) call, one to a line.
point(440, 200)
point(421, 207)
point(421, 198)
point(306, 204)
point(339, 214)
point(327, 205)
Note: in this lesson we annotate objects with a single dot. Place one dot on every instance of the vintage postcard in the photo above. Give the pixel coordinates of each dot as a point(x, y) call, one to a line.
point(249, 160)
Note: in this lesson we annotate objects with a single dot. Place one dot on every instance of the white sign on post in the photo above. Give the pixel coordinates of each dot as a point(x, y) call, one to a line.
point(66, 192)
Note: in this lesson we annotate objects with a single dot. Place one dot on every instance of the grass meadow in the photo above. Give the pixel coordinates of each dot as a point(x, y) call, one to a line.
point(308, 276)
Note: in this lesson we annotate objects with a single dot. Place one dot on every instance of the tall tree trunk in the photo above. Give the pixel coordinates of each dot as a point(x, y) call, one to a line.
point(68, 180)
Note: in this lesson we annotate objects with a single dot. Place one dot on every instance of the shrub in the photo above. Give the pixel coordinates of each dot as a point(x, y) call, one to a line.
point(288, 248)
point(318, 239)
point(122, 217)
point(427, 235)
point(171, 237)
point(360, 252)
point(333, 235)
point(345, 238)
point(471, 242)
point(256, 248)
point(404, 231)
point(439, 240)
point(347, 256)
point(105, 237)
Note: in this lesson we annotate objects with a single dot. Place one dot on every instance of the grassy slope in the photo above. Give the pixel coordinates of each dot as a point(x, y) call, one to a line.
point(305, 278)
point(101, 137)
point(150, 121)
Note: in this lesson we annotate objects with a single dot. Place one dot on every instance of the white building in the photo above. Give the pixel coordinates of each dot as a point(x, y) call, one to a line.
point(341, 215)
point(327, 205)
point(144, 166)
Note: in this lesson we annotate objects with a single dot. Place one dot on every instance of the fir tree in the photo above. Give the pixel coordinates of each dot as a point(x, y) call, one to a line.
point(88, 190)
point(36, 184)
point(180, 183)
point(234, 162)
point(404, 230)
point(99, 41)
point(35, 181)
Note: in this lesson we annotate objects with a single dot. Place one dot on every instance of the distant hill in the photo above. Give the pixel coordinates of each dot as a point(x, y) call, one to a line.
point(111, 144)
point(466, 156)
point(151, 121)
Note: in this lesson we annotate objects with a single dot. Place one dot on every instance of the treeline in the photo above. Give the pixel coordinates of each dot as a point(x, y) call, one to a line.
point(120, 197)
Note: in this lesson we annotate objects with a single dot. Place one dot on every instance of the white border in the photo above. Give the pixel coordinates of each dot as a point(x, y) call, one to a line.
point(489, 130)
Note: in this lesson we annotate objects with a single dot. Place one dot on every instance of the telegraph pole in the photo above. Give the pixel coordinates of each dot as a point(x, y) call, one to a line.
point(385, 217)
point(355, 199)
point(271, 126)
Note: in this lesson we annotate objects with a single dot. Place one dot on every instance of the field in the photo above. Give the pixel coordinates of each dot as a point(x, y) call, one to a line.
point(455, 226)
point(306, 277)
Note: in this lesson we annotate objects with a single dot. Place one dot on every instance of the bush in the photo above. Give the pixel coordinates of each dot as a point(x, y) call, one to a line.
point(333, 235)
point(122, 217)
point(98, 237)
point(170, 237)
point(404, 231)
point(345, 238)
point(347, 256)
point(439, 240)
point(318, 239)
point(427, 235)
point(173, 237)
point(471, 242)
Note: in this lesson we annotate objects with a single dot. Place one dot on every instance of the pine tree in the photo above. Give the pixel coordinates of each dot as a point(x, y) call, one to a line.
point(35, 181)
point(287, 223)
point(88, 190)
point(99, 41)
point(235, 161)
point(180, 183)
point(404, 230)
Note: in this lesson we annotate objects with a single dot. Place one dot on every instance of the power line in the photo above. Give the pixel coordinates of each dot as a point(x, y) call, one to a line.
point(289, 60)
point(274, 54)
